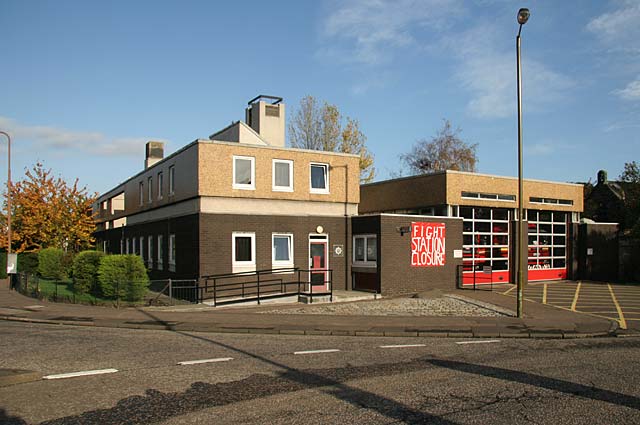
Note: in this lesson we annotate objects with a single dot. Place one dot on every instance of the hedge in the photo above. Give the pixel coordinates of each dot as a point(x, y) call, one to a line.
point(27, 262)
point(123, 277)
point(51, 264)
point(85, 272)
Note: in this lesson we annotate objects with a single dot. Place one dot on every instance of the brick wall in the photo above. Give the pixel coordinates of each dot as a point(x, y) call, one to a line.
point(216, 241)
point(394, 259)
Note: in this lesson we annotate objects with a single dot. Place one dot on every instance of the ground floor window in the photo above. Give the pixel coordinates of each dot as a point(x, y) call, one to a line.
point(150, 252)
point(365, 250)
point(243, 251)
point(282, 250)
point(160, 257)
point(172, 252)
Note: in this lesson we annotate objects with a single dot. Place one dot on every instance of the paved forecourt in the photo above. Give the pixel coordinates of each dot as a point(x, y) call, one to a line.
point(619, 302)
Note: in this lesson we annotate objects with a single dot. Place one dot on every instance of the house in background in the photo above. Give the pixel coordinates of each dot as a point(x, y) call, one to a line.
point(239, 201)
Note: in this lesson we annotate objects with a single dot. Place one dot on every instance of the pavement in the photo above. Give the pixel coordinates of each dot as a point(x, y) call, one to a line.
point(539, 321)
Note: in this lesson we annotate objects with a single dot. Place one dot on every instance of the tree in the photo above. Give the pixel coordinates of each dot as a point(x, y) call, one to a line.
point(320, 127)
point(48, 212)
point(630, 179)
point(631, 173)
point(445, 151)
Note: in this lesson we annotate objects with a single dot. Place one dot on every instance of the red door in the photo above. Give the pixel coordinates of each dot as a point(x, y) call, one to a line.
point(318, 274)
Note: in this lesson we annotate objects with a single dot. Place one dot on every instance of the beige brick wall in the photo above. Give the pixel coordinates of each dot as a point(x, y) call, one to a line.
point(216, 172)
point(410, 192)
point(446, 188)
point(458, 182)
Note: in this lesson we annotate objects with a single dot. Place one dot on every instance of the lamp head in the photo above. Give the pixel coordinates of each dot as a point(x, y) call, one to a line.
point(523, 16)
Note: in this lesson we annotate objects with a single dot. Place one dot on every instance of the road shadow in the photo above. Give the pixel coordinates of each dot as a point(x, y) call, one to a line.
point(156, 406)
point(6, 419)
point(558, 385)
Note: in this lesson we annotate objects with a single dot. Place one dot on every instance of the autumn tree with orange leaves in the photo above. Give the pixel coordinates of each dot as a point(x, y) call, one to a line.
point(48, 212)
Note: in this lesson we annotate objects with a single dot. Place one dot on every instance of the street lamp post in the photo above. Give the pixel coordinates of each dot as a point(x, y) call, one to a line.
point(523, 17)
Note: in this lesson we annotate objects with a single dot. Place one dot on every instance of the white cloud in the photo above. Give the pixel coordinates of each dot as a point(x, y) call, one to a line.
point(60, 139)
point(631, 91)
point(490, 75)
point(374, 29)
point(619, 25)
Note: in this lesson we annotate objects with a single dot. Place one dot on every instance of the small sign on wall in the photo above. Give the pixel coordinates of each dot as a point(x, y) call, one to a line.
point(457, 253)
point(428, 244)
point(338, 250)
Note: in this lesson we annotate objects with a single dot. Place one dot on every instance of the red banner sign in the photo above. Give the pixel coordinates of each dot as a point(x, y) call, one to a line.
point(427, 244)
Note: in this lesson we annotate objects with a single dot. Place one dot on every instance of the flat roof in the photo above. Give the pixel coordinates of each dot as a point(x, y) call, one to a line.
point(437, 173)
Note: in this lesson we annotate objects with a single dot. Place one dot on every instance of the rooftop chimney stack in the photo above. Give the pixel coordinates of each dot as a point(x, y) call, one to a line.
point(266, 116)
point(154, 153)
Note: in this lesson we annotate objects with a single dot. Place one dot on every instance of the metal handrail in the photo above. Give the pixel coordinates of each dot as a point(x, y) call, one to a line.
point(258, 288)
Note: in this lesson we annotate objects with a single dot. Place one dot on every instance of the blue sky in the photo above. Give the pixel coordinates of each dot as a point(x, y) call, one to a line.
point(85, 83)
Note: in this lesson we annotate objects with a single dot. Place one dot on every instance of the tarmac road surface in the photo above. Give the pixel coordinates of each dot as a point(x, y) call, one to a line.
point(284, 379)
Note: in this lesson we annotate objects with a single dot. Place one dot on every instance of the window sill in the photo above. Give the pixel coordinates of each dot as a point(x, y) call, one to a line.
point(364, 264)
point(281, 189)
point(238, 187)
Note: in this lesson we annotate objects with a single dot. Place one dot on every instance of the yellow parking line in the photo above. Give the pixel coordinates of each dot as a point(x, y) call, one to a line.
point(509, 290)
point(575, 297)
point(623, 323)
point(544, 294)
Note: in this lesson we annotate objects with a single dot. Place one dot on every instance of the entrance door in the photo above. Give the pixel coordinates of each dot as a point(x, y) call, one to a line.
point(318, 263)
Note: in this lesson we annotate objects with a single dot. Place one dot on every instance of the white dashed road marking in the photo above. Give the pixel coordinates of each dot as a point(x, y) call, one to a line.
point(403, 346)
point(190, 362)
point(333, 350)
point(478, 342)
point(82, 373)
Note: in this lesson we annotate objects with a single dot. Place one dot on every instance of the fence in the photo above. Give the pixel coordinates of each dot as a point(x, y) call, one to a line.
point(264, 284)
point(63, 292)
point(477, 279)
point(172, 291)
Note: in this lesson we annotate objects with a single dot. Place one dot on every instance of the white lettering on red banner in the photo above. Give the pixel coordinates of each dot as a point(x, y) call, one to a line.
point(427, 244)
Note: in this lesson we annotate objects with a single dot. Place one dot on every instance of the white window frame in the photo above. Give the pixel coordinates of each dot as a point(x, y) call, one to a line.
point(281, 264)
point(276, 188)
point(127, 246)
point(160, 184)
point(142, 247)
point(150, 252)
point(159, 254)
point(150, 189)
point(141, 193)
point(172, 252)
point(365, 263)
point(242, 186)
point(326, 178)
point(242, 266)
point(172, 180)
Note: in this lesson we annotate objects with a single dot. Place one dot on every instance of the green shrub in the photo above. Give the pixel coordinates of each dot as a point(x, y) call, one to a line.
point(28, 262)
point(85, 271)
point(51, 264)
point(123, 276)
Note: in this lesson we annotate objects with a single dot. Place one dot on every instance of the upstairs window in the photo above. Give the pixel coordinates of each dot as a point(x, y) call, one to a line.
point(172, 180)
point(244, 172)
point(160, 184)
point(141, 193)
point(282, 175)
point(319, 178)
point(150, 189)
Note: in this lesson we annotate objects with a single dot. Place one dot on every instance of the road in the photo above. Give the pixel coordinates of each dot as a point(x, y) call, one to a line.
point(358, 380)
